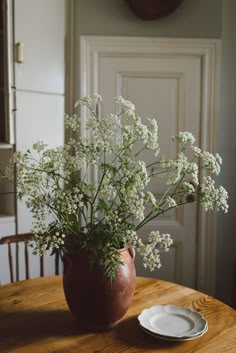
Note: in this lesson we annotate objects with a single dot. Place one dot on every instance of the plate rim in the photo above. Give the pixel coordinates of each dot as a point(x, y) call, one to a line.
point(178, 308)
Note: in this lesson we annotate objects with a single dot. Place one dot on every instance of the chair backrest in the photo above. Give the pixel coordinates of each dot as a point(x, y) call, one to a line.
point(16, 239)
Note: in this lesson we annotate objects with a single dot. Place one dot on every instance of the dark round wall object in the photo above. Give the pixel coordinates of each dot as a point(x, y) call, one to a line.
point(152, 9)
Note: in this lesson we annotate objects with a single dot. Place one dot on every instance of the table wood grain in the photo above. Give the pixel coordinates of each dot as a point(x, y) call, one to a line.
point(34, 318)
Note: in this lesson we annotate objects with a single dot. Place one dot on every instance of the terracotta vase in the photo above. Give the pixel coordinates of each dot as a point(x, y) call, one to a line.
point(97, 303)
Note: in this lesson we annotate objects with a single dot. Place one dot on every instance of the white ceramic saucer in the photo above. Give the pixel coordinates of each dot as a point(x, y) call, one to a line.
point(173, 322)
point(174, 338)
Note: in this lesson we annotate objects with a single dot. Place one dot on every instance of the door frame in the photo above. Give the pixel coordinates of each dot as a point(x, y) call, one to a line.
point(92, 48)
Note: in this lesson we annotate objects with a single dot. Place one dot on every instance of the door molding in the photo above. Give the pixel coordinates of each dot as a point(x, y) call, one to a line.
point(92, 48)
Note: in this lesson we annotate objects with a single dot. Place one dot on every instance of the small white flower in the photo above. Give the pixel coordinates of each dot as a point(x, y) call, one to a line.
point(184, 138)
point(170, 202)
point(72, 122)
point(150, 251)
point(212, 198)
point(197, 151)
point(188, 187)
point(126, 106)
point(212, 162)
point(39, 146)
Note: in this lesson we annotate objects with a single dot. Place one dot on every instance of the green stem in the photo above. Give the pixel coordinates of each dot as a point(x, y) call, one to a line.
point(118, 155)
point(60, 176)
point(148, 215)
point(163, 196)
point(158, 162)
point(154, 174)
point(102, 178)
point(141, 150)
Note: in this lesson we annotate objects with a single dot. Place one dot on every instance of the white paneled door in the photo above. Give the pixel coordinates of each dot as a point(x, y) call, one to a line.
point(175, 82)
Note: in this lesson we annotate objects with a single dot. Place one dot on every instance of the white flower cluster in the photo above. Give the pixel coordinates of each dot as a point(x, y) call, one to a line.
point(184, 138)
point(39, 146)
point(170, 202)
point(126, 106)
point(108, 213)
point(136, 207)
point(188, 187)
point(89, 101)
point(106, 133)
point(112, 217)
point(68, 202)
point(152, 142)
point(197, 151)
point(40, 218)
point(137, 131)
point(212, 162)
point(53, 242)
point(107, 191)
point(212, 198)
point(151, 250)
point(150, 198)
point(132, 197)
point(181, 167)
point(72, 122)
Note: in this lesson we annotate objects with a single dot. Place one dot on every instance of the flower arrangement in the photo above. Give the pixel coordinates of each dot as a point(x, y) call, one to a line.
point(72, 211)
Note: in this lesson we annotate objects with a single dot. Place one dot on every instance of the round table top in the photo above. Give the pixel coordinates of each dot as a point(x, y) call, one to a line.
point(34, 317)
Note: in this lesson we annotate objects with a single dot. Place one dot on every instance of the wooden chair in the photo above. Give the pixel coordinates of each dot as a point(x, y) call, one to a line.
point(16, 239)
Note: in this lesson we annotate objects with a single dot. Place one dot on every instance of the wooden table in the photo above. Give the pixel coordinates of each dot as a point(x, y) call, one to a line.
point(34, 318)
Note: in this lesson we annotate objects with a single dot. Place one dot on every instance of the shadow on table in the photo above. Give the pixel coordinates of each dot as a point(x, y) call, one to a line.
point(21, 329)
point(131, 334)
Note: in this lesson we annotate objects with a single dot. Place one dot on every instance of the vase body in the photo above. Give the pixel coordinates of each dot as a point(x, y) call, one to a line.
point(96, 302)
